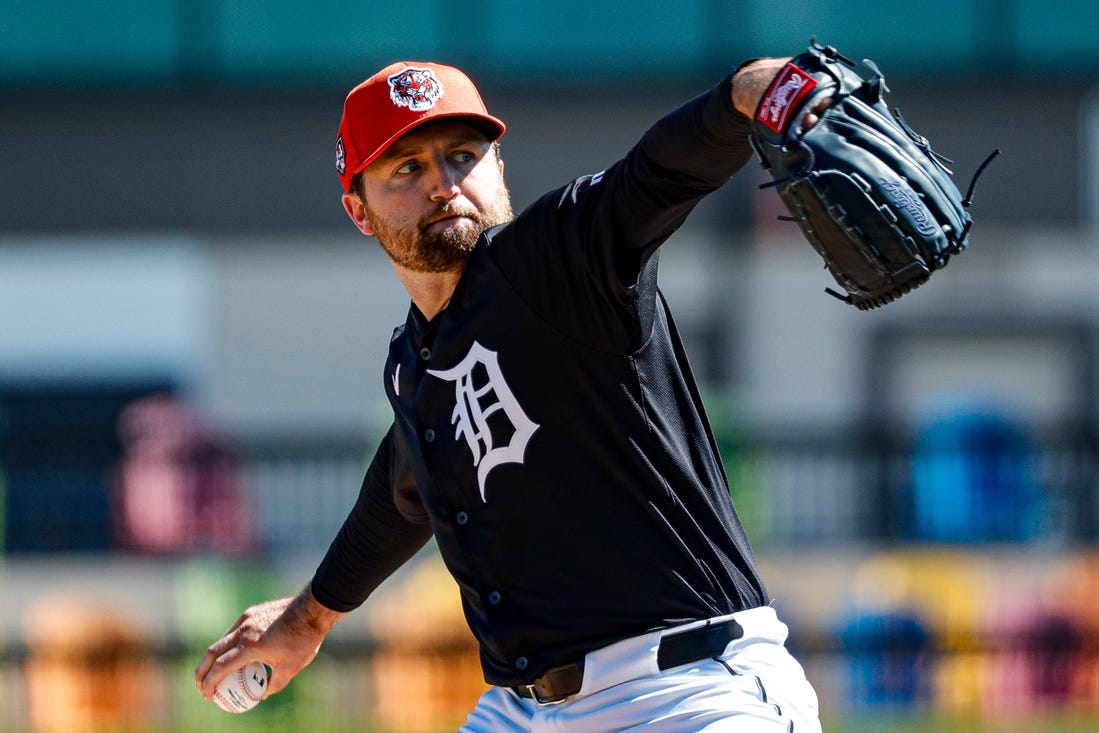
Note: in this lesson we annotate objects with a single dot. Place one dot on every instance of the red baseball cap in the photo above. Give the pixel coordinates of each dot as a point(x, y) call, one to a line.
point(397, 99)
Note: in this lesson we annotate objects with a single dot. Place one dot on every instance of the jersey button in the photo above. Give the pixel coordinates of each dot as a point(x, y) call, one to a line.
point(461, 518)
point(521, 663)
point(494, 598)
point(425, 353)
point(429, 435)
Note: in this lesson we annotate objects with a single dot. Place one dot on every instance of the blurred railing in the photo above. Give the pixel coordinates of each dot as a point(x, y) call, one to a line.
point(837, 485)
point(874, 483)
point(302, 489)
point(795, 487)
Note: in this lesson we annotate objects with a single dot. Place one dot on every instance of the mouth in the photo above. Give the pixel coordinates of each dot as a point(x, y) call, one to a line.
point(446, 222)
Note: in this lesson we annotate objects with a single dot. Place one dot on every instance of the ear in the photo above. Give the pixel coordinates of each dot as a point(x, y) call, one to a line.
point(356, 211)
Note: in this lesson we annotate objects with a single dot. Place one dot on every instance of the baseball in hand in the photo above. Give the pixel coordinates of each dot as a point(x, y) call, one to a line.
point(242, 690)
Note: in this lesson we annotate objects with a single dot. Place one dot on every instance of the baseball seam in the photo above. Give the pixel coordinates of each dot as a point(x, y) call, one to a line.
point(225, 703)
point(245, 686)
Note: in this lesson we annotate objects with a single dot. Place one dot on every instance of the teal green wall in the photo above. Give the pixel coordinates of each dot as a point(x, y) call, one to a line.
point(289, 42)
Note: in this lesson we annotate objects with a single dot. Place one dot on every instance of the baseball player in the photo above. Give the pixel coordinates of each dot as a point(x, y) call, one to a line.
point(547, 429)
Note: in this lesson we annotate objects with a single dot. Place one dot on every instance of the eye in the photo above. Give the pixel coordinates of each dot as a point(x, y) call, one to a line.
point(464, 156)
point(409, 167)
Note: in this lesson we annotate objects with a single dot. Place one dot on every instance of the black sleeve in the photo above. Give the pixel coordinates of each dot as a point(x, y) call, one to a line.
point(578, 254)
point(684, 156)
point(375, 539)
point(701, 144)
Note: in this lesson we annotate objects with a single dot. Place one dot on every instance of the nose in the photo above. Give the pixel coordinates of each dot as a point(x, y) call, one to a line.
point(445, 184)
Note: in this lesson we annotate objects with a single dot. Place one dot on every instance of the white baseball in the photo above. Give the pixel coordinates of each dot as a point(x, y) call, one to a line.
point(242, 690)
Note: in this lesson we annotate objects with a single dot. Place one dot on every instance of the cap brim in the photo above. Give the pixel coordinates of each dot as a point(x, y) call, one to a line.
point(492, 128)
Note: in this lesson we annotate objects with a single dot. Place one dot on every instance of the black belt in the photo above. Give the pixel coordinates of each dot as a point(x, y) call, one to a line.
point(675, 650)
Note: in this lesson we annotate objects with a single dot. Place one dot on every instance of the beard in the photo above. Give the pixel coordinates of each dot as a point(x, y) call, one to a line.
point(416, 249)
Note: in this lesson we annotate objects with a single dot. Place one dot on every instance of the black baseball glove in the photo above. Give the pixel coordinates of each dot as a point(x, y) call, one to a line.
point(871, 196)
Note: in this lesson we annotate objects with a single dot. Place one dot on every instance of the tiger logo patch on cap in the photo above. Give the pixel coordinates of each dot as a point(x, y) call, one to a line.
point(416, 89)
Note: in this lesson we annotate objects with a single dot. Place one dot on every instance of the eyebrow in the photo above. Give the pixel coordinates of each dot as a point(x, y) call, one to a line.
point(406, 149)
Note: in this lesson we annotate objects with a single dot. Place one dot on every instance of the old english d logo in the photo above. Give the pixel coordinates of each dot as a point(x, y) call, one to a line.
point(486, 413)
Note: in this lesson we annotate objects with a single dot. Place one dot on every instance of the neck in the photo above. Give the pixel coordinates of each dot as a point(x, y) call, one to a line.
point(430, 291)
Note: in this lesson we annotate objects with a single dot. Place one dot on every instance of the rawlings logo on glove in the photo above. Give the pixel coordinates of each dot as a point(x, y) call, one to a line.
point(786, 91)
point(905, 198)
point(869, 193)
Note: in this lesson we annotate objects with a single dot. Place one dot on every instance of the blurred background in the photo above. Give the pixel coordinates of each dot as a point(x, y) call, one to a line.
point(192, 336)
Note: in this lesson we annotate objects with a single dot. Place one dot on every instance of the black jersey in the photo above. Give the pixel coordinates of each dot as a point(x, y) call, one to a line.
point(548, 430)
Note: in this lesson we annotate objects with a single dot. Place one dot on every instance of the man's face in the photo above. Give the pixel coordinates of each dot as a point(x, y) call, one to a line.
point(432, 193)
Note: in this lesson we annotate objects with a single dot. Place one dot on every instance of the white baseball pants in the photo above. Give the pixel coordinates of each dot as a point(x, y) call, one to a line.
point(756, 686)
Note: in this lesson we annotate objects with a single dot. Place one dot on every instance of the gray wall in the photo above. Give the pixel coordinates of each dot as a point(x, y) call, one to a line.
point(247, 162)
point(201, 235)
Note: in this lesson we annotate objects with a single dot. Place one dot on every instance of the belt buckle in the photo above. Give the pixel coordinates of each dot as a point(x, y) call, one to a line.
point(543, 701)
point(551, 680)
